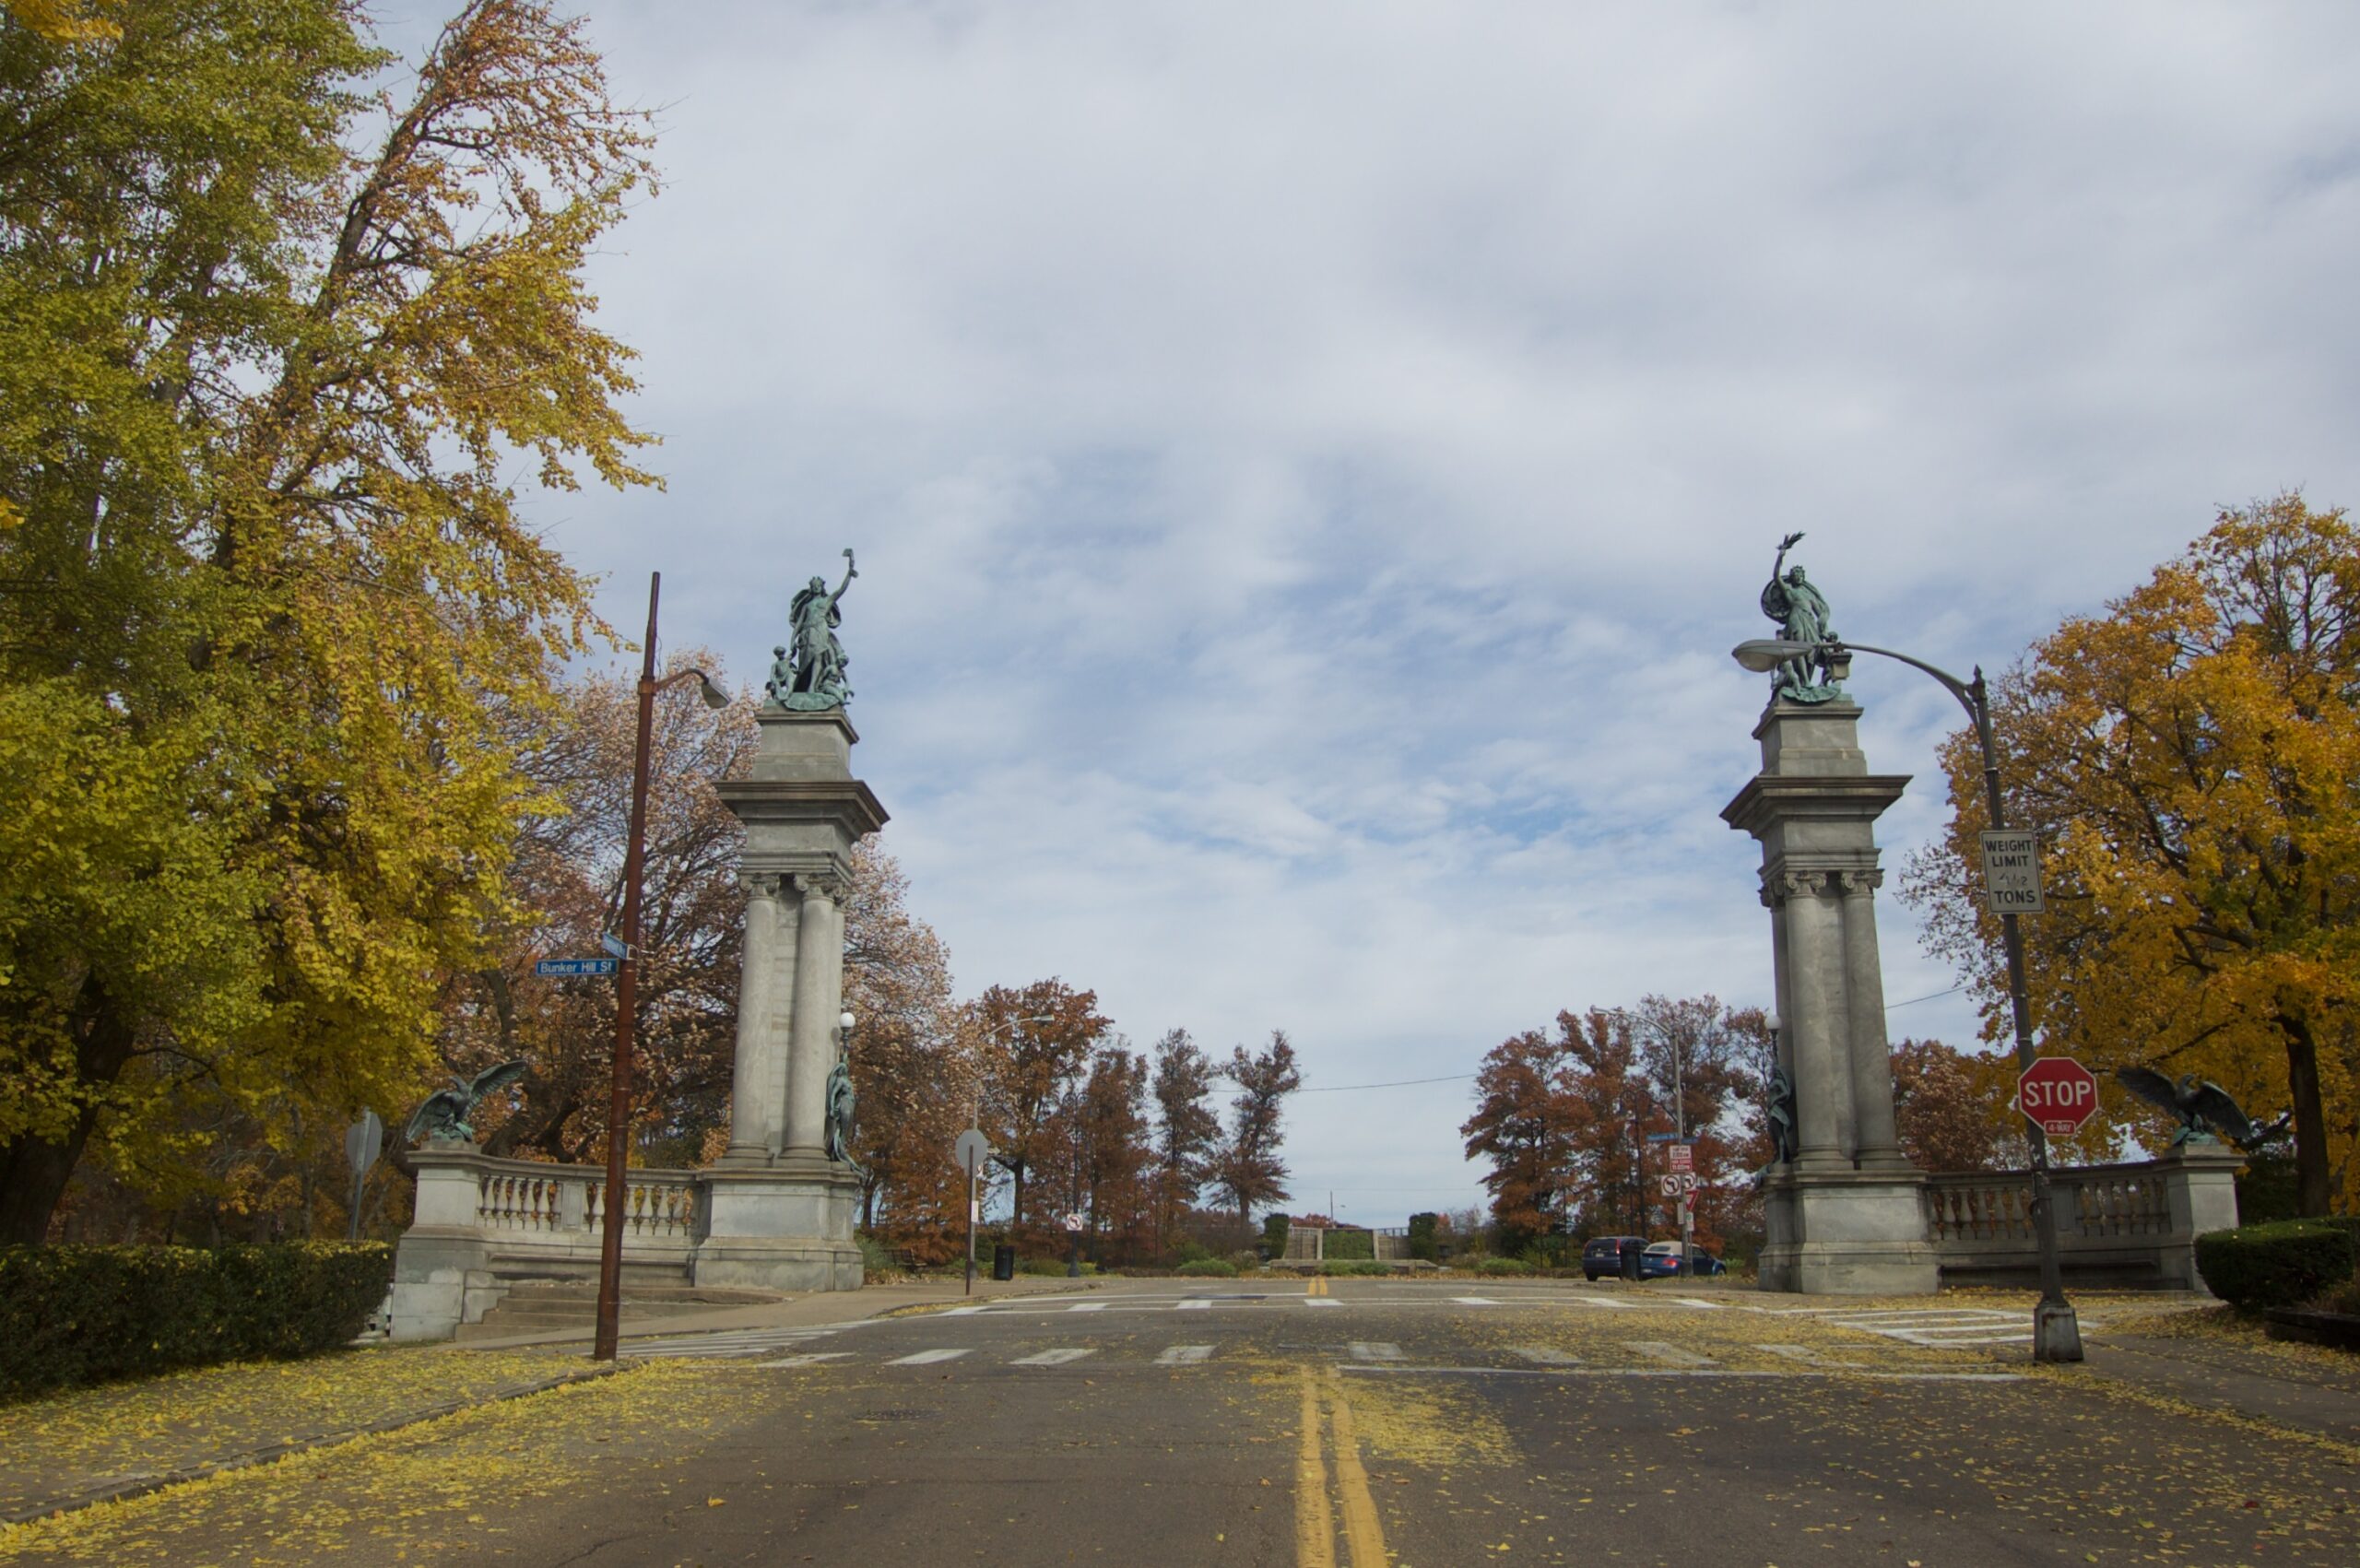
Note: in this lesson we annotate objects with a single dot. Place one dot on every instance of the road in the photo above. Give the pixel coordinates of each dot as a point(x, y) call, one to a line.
point(1342, 1422)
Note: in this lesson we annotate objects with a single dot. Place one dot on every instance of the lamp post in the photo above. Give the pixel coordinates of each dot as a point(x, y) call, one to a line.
point(610, 1244)
point(2057, 1333)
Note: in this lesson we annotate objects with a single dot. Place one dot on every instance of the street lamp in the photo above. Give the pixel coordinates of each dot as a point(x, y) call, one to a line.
point(2056, 1332)
point(610, 1245)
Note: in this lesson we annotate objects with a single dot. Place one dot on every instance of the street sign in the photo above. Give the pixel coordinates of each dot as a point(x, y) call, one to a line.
point(2011, 871)
point(363, 1141)
point(1679, 1184)
point(613, 944)
point(574, 966)
point(971, 1151)
point(1073, 1222)
point(1663, 1137)
point(2057, 1094)
point(1684, 1157)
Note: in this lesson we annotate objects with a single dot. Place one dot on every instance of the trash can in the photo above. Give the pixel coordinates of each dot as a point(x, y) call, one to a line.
point(1003, 1263)
point(1631, 1251)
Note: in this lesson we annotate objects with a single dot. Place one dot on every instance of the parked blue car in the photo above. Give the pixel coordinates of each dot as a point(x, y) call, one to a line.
point(1661, 1261)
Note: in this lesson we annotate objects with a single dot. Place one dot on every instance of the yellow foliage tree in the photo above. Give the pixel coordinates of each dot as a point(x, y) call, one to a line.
point(2192, 759)
point(271, 598)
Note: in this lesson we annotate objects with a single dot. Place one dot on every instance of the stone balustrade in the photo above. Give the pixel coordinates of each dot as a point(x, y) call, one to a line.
point(483, 1223)
point(2131, 1224)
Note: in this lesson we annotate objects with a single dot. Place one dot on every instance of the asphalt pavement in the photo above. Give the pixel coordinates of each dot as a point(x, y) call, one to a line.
point(1347, 1422)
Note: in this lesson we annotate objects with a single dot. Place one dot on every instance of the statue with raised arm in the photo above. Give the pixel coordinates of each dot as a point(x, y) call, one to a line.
point(1800, 610)
point(814, 676)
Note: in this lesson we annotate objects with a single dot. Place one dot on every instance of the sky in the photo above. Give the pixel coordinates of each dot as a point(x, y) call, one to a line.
point(1308, 461)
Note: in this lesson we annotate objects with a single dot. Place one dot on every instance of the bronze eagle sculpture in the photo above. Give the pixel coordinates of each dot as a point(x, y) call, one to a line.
point(446, 1111)
point(2204, 1108)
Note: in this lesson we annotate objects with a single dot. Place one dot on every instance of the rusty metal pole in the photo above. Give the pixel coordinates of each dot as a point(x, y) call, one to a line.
point(616, 1197)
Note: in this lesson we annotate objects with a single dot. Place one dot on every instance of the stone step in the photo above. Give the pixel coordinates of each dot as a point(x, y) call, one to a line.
point(553, 1305)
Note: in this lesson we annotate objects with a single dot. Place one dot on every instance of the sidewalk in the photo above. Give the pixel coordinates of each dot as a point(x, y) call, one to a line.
point(86, 1445)
point(816, 1310)
point(2237, 1370)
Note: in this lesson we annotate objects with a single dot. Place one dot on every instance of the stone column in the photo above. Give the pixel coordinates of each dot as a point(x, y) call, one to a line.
point(1815, 992)
point(1874, 1139)
point(1846, 1216)
point(818, 980)
point(752, 1132)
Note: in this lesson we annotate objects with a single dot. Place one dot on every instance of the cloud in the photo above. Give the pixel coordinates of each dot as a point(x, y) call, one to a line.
point(1308, 461)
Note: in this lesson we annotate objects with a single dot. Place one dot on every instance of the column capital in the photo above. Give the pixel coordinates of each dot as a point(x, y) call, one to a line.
point(828, 885)
point(762, 884)
point(1860, 883)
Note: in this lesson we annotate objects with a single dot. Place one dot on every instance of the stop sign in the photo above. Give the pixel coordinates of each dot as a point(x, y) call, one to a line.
point(2057, 1094)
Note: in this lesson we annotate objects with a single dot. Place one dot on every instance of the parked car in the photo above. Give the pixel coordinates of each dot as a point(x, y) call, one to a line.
point(1661, 1261)
point(1604, 1254)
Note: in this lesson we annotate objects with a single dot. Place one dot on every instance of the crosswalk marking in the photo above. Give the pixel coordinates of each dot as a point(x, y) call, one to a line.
point(965, 1310)
point(1657, 1350)
point(1183, 1355)
point(1700, 1305)
point(1376, 1351)
point(1058, 1357)
point(1542, 1355)
point(1601, 1302)
point(1804, 1354)
point(928, 1358)
point(1474, 1300)
point(1201, 1303)
point(814, 1359)
point(1087, 1306)
point(1321, 1300)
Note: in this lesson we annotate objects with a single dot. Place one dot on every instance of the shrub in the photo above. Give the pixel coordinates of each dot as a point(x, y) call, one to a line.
point(1208, 1268)
point(76, 1315)
point(1350, 1245)
point(1247, 1261)
point(1505, 1266)
point(2256, 1267)
point(1352, 1268)
point(1192, 1251)
point(1274, 1233)
point(1424, 1237)
point(2343, 1297)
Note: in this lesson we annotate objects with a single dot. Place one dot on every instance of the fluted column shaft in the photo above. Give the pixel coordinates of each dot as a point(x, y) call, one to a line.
point(1815, 987)
point(751, 1120)
point(818, 980)
point(1876, 1139)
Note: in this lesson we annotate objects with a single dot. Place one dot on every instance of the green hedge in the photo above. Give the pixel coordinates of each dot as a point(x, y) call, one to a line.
point(1208, 1268)
point(76, 1315)
point(2256, 1267)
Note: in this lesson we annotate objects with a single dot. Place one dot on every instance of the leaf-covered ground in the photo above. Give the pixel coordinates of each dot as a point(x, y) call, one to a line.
point(84, 1439)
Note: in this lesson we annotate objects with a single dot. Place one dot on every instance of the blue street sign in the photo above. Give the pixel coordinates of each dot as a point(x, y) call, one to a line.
point(1663, 1137)
point(574, 966)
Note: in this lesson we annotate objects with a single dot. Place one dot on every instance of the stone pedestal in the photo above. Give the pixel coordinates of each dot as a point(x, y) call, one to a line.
point(441, 1269)
point(780, 1212)
point(1846, 1215)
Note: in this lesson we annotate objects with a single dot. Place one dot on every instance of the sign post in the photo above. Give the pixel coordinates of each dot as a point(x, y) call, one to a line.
point(2058, 1095)
point(972, 1149)
point(363, 1141)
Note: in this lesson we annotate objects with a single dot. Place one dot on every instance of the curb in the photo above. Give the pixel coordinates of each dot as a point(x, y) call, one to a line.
point(128, 1487)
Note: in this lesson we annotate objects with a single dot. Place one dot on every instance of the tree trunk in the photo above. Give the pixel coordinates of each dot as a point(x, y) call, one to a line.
point(33, 1172)
point(2311, 1185)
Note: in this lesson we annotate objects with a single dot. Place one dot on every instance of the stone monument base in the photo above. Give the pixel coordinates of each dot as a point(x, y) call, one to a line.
point(782, 1226)
point(1846, 1232)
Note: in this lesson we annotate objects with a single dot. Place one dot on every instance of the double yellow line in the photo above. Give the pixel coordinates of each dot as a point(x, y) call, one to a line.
point(1318, 1286)
point(1314, 1519)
